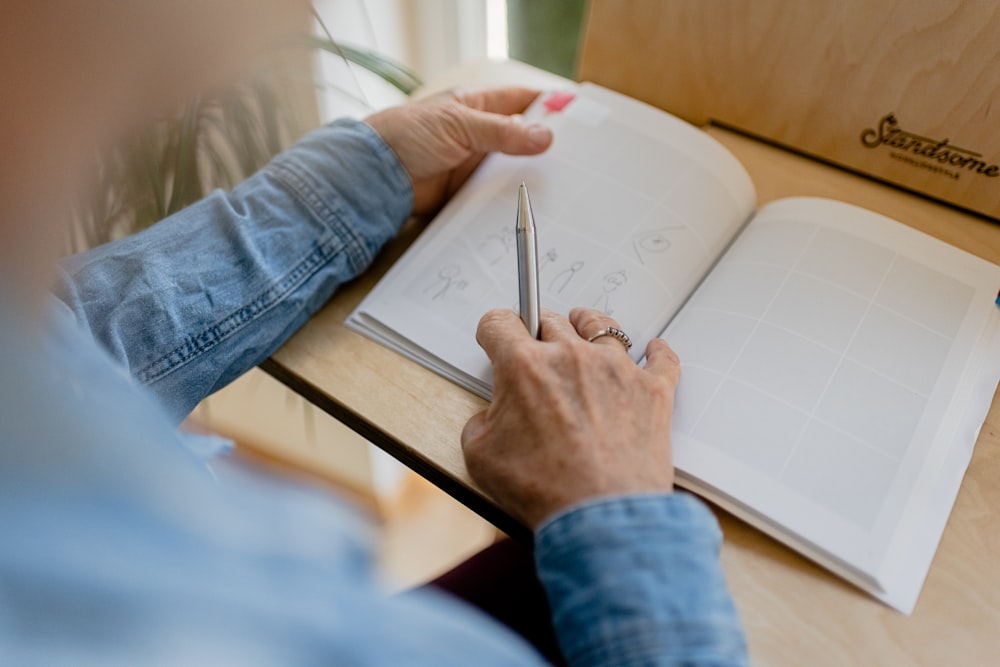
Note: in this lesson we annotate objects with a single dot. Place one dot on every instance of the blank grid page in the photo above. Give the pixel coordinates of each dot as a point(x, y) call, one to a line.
point(810, 355)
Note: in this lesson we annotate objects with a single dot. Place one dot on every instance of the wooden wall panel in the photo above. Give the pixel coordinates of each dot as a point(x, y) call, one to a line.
point(817, 76)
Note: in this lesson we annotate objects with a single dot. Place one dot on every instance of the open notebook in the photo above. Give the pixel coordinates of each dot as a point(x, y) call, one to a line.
point(837, 365)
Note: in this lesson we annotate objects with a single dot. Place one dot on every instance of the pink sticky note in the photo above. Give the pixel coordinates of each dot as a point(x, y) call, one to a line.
point(558, 101)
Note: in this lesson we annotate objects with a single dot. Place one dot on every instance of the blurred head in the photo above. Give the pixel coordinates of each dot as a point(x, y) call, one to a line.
point(74, 75)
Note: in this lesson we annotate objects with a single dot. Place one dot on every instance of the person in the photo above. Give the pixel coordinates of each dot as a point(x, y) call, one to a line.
point(120, 546)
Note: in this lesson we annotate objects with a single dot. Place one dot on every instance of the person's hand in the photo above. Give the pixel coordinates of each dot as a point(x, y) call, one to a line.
point(569, 420)
point(441, 139)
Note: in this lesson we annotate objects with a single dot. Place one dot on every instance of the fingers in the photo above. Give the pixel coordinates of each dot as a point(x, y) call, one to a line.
point(507, 101)
point(588, 322)
point(499, 329)
point(502, 328)
point(491, 127)
point(439, 140)
point(556, 328)
point(488, 132)
point(662, 361)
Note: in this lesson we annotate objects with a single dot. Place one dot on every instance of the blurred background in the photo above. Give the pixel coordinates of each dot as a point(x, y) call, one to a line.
point(352, 57)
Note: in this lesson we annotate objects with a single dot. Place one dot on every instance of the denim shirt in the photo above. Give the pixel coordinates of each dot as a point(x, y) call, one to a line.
point(119, 545)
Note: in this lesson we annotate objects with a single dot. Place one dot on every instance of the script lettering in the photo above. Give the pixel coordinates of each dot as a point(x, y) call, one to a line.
point(938, 150)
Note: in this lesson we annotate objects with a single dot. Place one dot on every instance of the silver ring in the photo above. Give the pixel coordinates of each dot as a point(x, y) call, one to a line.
point(617, 334)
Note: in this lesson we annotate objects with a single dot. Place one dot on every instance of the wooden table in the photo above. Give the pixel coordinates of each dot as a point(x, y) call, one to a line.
point(794, 612)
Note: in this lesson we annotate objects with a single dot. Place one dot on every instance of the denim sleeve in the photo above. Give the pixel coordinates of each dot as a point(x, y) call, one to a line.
point(636, 581)
point(201, 297)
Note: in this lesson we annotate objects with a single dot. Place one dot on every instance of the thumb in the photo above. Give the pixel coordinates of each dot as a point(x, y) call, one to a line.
point(473, 430)
point(662, 361)
point(488, 132)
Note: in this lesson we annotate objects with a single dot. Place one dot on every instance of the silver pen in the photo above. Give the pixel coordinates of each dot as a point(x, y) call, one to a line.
point(527, 263)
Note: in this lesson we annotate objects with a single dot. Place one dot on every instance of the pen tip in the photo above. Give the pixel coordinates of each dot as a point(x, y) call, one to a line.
point(525, 219)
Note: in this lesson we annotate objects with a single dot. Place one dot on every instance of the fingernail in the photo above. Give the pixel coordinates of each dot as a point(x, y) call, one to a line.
point(539, 135)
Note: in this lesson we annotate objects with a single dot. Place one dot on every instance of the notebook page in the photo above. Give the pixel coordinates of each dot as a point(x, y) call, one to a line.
point(828, 362)
point(631, 204)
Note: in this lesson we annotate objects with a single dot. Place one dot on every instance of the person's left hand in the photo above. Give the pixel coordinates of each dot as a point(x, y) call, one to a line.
point(441, 139)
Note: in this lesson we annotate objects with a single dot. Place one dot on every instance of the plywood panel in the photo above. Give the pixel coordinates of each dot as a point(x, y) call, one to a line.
point(829, 78)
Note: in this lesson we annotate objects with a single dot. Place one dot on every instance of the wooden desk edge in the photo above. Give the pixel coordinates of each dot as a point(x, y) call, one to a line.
point(424, 467)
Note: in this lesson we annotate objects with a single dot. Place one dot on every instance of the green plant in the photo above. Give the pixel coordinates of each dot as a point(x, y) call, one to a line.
point(215, 141)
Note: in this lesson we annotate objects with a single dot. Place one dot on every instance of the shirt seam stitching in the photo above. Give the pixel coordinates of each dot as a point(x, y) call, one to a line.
point(223, 329)
point(329, 215)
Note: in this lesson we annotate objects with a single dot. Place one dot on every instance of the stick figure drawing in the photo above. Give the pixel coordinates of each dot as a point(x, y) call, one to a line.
point(446, 278)
point(564, 277)
point(498, 245)
point(612, 282)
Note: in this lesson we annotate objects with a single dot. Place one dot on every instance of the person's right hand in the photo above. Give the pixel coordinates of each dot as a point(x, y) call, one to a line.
point(569, 420)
